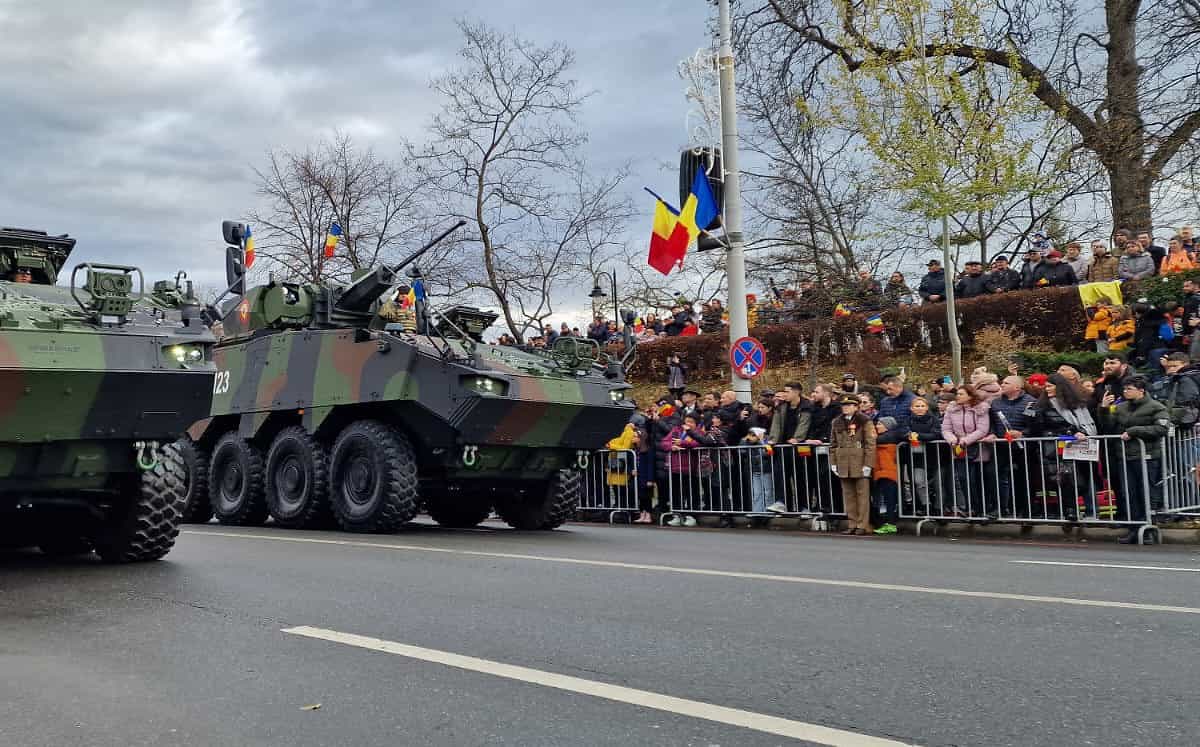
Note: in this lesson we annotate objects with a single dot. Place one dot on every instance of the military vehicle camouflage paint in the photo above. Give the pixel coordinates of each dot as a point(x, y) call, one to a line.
point(462, 426)
point(97, 381)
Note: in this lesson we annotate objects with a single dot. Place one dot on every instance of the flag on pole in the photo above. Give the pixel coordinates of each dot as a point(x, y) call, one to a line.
point(840, 311)
point(418, 290)
point(875, 324)
point(675, 230)
point(668, 239)
point(249, 248)
point(331, 239)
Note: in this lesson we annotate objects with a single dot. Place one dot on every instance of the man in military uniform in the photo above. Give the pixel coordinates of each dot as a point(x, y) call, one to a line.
point(397, 311)
point(21, 275)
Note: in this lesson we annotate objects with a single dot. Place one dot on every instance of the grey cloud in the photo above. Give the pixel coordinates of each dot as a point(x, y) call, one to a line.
point(135, 126)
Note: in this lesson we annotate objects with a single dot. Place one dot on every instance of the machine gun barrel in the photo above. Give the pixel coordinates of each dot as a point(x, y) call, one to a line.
point(368, 289)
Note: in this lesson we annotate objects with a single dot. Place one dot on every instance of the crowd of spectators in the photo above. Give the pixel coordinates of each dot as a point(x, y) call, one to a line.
point(1133, 256)
point(975, 423)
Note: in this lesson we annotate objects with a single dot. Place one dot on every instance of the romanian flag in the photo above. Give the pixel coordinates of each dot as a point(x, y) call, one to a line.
point(875, 324)
point(331, 240)
point(668, 240)
point(249, 248)
point(674, 231)
point(840, 311)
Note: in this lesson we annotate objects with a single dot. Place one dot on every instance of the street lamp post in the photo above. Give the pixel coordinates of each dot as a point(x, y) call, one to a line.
point(598, 293)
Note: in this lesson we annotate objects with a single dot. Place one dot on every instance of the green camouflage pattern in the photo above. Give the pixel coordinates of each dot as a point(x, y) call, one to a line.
point(80, 387)
point(321, 356)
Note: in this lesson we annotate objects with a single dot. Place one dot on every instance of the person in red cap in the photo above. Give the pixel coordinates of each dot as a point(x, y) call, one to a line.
point(1053, 272)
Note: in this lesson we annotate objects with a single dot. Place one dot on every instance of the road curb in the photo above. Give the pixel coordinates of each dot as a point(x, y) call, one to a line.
point(1187, 535)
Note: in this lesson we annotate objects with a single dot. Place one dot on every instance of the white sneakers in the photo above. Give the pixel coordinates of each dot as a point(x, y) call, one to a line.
point(687, 521)
point(777, 508)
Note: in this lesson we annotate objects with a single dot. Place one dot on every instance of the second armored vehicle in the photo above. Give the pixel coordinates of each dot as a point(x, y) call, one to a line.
point(325, 412)
point(97, 382)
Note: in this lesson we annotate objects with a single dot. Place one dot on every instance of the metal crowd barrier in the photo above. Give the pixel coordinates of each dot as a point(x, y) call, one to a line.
point(1099, 481)
point(1102, 480)
point(1180, 478)
point(610, 484)
point(749, 480)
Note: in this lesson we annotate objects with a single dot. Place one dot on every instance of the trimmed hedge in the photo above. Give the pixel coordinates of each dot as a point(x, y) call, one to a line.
point(1160, 289)
point(1050, 317)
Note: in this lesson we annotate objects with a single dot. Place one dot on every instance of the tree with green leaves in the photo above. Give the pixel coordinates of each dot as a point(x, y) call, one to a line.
point(946, 134)
point(1128, 97)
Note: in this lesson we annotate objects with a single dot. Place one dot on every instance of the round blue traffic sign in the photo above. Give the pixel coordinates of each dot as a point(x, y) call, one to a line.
point(748, 357)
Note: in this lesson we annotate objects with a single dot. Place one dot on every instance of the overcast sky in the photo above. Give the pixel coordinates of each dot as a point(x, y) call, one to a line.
point(134, 126)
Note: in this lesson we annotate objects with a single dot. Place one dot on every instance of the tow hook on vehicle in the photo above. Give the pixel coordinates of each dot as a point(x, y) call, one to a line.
point(147, 454)
point(582, 459)
point(470, 455)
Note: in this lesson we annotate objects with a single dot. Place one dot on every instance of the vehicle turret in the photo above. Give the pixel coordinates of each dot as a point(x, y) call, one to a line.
point(286, 305)
point(101, 379)
point(31, 256)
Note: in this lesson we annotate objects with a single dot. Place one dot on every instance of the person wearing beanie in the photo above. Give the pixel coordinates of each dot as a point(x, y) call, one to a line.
point(986, 383)
point(756, 464)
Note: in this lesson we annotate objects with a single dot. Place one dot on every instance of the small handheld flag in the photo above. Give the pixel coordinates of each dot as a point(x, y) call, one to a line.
point(840, 311)
point(331, 240)
point(875, 324)
point(249, 248)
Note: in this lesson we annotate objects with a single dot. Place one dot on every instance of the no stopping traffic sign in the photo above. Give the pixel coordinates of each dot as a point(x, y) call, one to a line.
point(748, 357)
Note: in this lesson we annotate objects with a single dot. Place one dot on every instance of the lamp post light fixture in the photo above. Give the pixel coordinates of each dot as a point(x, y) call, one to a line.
point(598, 293)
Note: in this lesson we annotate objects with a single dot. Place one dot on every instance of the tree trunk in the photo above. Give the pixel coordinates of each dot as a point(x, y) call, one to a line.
point(1130, 183)
point(1124, 153)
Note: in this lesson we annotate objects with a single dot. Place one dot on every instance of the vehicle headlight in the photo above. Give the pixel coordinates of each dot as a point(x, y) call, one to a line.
point(485, 385)
point(617, 395)
point(185, 354)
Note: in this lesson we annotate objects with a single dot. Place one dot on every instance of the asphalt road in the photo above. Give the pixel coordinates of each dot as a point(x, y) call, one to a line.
point(736, 637)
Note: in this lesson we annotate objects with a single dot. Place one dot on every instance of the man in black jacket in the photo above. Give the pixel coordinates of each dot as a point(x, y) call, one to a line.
point(933, 286)
point(972, 283)
point(1052, 273)
point(1191, 317)
point(1114, 373)
point(1002, 278)
point(1033, 260)
point(1014, 416)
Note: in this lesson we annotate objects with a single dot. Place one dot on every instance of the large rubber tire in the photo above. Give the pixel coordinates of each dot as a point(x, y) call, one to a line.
point(559, 504)
point(373, 478)
point(235, 482)
point(457, 509)
point(195, 462)
point(148, 529)
point(297, 480)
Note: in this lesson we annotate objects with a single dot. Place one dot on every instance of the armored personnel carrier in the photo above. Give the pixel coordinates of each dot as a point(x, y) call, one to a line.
point(98, 380)
point(330, 407)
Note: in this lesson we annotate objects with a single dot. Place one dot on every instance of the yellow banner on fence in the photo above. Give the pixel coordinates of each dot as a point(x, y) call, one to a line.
point(1093, 293)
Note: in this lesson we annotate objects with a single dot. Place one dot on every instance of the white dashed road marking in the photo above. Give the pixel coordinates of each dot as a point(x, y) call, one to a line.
point(867, 585)
point(680, 706)
point(1108, 565)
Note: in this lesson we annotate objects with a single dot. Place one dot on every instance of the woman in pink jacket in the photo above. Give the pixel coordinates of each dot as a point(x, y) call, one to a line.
point(967, 428)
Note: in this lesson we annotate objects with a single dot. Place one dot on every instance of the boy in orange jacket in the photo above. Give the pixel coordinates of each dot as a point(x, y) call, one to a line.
point(885, 483)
